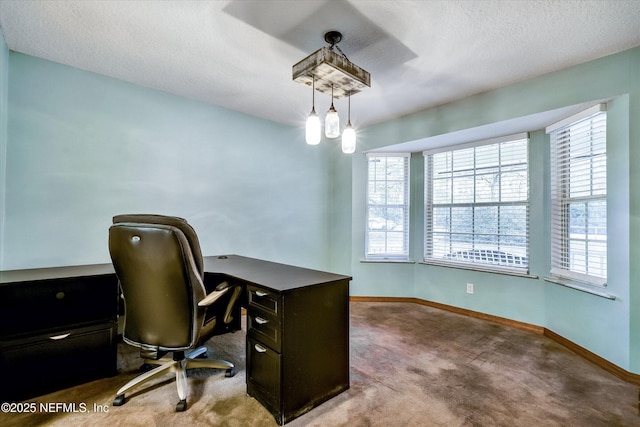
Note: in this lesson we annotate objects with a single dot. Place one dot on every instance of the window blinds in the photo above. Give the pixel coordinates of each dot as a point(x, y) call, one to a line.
point(579, 197)
point(477, 204)
point(388, 206)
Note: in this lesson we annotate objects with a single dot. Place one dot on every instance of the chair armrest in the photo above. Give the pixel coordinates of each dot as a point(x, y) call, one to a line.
point(213, 296)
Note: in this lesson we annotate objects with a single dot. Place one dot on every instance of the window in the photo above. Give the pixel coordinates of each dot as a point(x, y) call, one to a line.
point(477, 205)
point(579, 197)
point(388, 206)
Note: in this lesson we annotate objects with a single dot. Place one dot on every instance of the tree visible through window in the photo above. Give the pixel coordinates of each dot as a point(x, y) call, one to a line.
point(387, 206)
point(477, 204)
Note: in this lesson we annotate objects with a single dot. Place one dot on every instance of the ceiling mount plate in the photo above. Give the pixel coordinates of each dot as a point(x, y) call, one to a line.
point(333, 37)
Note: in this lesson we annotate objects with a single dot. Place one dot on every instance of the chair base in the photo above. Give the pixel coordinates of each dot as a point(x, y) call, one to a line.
point(191, 359)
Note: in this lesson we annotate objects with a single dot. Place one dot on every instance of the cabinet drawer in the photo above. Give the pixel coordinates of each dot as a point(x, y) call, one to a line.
point(264, 299)
point(263, 373)
point(41, 364)
point(46, 305)
point(265, 327)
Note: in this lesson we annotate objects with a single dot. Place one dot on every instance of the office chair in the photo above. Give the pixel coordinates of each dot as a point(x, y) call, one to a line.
point(159, 265)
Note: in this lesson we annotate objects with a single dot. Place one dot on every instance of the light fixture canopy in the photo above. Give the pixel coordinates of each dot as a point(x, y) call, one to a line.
point(331, 70)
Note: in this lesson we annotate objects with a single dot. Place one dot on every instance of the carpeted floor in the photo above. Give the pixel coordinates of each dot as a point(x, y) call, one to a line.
point(411, 365)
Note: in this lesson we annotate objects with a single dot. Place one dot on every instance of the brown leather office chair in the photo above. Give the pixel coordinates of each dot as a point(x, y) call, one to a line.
point(167, 308)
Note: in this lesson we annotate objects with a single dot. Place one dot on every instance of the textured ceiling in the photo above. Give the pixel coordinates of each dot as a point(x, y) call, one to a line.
point(239, 54)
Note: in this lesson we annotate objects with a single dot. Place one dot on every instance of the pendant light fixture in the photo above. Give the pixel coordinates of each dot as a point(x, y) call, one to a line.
point(329, 72)
point(313, 132)
point(349, 134)
point(332, 121)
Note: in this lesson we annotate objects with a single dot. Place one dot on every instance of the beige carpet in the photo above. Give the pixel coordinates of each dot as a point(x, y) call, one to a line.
point(411, 365)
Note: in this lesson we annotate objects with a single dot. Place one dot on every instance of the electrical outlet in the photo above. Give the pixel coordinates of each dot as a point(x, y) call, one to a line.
point(469, 288)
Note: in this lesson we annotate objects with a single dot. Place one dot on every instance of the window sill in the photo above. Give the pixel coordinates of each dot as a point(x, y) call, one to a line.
point(387, 261)
point(479, 268)
point(579, 287)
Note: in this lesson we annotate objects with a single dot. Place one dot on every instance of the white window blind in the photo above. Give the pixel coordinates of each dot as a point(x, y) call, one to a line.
point(477, 205)
point(387, 234)
point(579, 197)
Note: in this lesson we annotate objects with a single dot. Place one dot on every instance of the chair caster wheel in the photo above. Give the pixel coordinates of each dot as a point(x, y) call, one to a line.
point(119, 400)
point(181, 406)
point(230, 372)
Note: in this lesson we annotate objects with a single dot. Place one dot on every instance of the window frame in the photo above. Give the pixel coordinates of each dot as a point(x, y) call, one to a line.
point(562, 201)
point(492, 260)
point(405, 207)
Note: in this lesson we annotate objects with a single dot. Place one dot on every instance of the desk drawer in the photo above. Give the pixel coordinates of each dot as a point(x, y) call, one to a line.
point(264, 299)
point(263, 374)
point(36, 307)
point(265, 327)
point(40, 364)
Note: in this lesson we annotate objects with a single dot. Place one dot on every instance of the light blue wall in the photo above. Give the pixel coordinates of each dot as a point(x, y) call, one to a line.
point(4, 88)
point(83, 147)
point(608, 328)
point(634, 211)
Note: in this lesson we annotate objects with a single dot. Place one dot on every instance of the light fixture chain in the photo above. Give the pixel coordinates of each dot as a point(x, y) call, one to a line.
point(340, 50)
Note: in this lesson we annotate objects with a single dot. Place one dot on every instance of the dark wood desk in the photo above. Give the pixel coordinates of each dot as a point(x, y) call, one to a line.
point(297, 326)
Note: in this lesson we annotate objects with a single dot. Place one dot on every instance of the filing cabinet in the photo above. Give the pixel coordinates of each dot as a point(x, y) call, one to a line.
point(297, 346)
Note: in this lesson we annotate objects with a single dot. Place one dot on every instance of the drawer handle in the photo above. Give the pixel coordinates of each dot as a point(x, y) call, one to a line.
point(60, 337)
point(259, 348)
point(261, 321)
point(261, 293)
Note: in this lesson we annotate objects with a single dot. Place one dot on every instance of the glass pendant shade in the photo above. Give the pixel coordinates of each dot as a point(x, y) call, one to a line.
point(349, 139)
point(332, 123)
point(313, 128)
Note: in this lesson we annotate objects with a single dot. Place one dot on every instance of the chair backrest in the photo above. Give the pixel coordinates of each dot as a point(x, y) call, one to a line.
point(161, 281)
point(175, 221)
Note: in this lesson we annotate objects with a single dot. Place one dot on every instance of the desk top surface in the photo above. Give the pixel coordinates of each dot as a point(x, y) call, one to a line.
point(46, 273)
point(273, 275)
point(280, 277)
